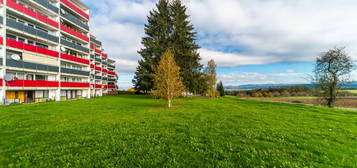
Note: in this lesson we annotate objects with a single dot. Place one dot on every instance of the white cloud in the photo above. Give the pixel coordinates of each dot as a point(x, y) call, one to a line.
point(236, 32)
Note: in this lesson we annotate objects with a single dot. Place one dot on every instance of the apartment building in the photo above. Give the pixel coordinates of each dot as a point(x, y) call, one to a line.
point(48, 54)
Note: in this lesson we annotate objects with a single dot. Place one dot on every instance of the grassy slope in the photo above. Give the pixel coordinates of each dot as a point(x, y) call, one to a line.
point(132, 131)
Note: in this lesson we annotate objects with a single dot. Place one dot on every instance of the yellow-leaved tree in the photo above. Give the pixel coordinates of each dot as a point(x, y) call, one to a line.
point(167, 80)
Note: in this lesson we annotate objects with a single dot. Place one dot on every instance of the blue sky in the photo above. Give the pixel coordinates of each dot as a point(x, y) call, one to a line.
point(252, 41)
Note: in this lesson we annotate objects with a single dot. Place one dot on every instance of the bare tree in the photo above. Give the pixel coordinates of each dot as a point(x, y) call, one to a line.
point(332, 70)
point(167, 80)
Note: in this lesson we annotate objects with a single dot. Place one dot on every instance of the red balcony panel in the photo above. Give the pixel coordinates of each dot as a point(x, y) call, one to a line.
point(112, 86)
point(1, 41)
point(105, 70)
point(98, 68)
point(1, 80)
point(98, 51)
point(74, 33)
point(92, 66)
point(98, 86)
point(111, 73)
point(75, 84)
point(92, 46)
point(32, 83)
point(75, 8)
point(31, 48)
point(1, 1)
point(74, 59)
point(31, 13)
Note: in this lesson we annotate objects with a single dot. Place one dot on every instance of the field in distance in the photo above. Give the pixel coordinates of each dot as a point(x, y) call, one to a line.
point(138, 131)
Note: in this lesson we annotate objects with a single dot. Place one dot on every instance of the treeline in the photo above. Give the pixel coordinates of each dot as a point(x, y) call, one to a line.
point(274, 92)
point(289, 91)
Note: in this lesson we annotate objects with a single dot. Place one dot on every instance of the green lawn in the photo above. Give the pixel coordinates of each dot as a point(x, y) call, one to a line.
point(137, 131)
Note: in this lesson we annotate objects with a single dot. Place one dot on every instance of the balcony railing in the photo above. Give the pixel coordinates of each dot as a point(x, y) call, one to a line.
point(74, 46)
point(30, 65)
point(75, 21)
point(112, 87)
point(74, 59)
point(75, 8)
point(47, 5)
point(112, 80)
point(31, 48)
point(96, 41)
point(32, 83)
point(98, 77)
point(31, 13)
point(75, 84)
point(1, 20)
point(74, 33)
point(30, 30)
point(74, 71)
point(98, 59)
point(98, 68)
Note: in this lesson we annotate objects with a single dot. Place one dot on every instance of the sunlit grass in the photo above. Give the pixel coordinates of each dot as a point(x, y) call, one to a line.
point(138, 131)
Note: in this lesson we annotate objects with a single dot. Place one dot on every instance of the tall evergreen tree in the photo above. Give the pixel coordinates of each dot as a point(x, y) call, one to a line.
point(220, 89)
point(156, 42)
point(184, 47)
point(169, 28)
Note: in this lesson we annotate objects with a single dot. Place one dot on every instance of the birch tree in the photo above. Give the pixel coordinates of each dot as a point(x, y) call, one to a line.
point(167, 79)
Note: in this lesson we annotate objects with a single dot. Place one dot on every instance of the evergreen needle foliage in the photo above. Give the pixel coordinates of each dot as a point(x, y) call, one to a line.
point(169, 27)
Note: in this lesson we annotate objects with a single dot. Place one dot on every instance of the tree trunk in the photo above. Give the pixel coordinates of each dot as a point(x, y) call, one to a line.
point(169, 105)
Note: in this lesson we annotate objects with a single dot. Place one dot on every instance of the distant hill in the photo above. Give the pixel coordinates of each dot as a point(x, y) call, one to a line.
point(264, 86)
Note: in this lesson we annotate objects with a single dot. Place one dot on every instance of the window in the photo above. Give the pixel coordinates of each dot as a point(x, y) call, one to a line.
point(31, 25)
point(10, 36)
point(63, 93)
point(11, 18)
point(20, 75)
point(20, 39)
point(39, 94)
point(29, 77)
point(30, 42)
point(41, 77)
point(42, 29)
point(20, 21)
point(41, 45)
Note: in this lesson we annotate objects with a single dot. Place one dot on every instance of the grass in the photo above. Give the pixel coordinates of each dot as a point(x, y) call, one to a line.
point(137, 131)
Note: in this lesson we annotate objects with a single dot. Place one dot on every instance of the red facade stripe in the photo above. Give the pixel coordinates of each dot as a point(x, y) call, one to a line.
point(75, 84)
point(31, 13)
point(32, 83)
point(74, 33)
point(31, 48)
point(74, 59)
point(75, 8)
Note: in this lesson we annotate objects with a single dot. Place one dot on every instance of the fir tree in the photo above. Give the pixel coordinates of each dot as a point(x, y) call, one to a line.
point(185, 47)
point(220, 89)
point(156, 42)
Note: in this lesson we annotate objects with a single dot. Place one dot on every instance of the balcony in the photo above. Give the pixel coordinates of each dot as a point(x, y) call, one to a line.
point(75, 84)
point(30, 65)
point(74, 33)
point(74, 59)
point(112, 87)
point(98, 68)
point(111, 73)
point(74, 71)
point(32, 83)
point(74, 20)
point(112, 80)
point(47, 5)
point(98, 77)
point(75, 8)
point(111, 66)
point(12, 4)
point(74, 46)
point(31, 48)
point(30, 30)
point(97, 86)
point(98, 51)
point(96, 42)
point(98, 59)
point(1, 20)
